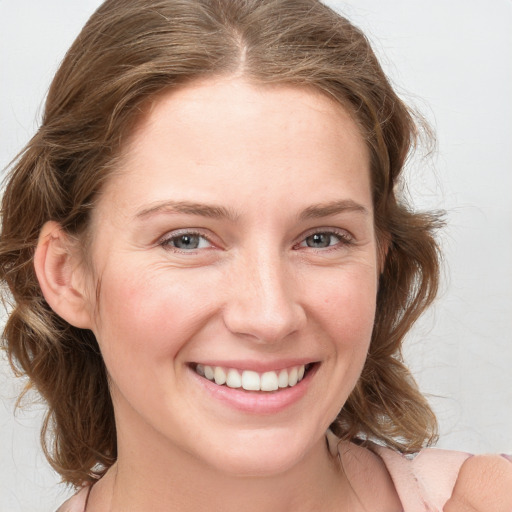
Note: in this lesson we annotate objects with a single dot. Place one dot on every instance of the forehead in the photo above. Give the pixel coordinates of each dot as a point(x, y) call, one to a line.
point(219, 135)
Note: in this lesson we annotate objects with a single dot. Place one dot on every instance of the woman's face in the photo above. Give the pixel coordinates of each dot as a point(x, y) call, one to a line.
point(237, 241)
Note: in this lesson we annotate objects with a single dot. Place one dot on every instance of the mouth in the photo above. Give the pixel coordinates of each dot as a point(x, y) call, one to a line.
point(249, 380)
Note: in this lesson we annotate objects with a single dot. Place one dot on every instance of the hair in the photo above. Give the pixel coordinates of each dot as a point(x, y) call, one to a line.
point(128, 52)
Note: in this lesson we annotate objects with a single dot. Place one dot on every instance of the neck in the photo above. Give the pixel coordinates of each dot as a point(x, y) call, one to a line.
point(164, 480)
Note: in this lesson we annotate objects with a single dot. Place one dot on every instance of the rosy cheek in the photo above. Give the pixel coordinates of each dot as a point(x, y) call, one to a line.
point(346, 302)
point(147, 316)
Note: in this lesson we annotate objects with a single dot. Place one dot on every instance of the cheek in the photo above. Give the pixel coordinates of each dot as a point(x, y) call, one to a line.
point(146, 318)
point(342, 307)
point(344, 303)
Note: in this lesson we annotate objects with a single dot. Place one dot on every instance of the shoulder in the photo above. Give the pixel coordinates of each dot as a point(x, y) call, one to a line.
point(440, 479)
point(77, 502)
point(425, 479)
point(365, 470)
point(484, 484)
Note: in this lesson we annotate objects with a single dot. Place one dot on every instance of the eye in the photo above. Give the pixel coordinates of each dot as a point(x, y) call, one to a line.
point(186, 241)
point(326, 239)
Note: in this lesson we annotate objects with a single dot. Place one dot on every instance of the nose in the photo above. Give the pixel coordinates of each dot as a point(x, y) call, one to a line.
point(263, 299)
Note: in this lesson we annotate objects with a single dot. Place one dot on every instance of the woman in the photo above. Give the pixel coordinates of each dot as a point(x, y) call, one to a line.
point(212, 273)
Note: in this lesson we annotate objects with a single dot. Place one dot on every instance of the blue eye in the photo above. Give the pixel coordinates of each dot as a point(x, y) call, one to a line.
point(321, 240)
point(325, 239)
point(186, 242)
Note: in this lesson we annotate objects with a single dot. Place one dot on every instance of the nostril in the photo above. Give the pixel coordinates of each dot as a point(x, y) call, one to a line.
point(268, 325)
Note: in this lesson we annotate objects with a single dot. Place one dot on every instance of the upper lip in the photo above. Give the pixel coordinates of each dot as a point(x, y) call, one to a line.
point(258, 366)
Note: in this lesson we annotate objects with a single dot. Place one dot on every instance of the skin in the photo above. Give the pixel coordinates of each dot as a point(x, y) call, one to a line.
point(253, 290)
point(484, 485)
point(270, 159)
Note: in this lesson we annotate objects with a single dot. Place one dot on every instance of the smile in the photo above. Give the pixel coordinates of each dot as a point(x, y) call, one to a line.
point(250, 380)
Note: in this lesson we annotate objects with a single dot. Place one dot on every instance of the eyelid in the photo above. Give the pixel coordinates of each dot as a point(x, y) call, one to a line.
point(170, 235)
point(329, 230)
point(346, 236)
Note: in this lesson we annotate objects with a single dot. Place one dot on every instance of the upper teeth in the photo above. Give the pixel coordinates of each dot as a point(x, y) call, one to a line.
point(250, 380)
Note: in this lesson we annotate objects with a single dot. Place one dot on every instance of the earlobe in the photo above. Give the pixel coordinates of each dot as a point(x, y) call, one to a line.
point(60, 275)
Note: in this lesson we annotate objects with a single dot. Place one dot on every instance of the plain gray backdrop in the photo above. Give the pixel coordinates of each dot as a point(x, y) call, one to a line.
point(453, 61)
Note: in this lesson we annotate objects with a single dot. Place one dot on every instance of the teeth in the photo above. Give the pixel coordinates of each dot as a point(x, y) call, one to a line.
point(208, 372)
point(269, 381)
point(234, 379)
point(250, 380)
point(293, 377)
point(200, 369)
point(219, 375)
point(282, 380)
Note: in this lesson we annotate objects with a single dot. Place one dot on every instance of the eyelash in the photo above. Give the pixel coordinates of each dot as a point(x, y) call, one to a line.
point(166, 242)
point(344, 239)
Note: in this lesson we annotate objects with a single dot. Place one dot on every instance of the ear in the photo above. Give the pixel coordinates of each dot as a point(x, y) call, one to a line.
point(61, 276)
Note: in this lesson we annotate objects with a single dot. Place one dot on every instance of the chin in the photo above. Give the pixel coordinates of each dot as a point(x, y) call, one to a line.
point(256, 464)
point(259, 453)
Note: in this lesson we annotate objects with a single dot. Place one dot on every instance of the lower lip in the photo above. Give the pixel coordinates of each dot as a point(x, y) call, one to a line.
point(257, 402)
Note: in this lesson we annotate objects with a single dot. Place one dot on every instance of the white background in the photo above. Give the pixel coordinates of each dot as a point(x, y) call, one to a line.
point(451, 59)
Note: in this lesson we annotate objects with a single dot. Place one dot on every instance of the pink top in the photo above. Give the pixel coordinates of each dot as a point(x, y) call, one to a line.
point(424, 483)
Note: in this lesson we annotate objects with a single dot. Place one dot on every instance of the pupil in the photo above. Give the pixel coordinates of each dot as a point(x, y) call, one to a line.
point(187, 242)
point(319, 240)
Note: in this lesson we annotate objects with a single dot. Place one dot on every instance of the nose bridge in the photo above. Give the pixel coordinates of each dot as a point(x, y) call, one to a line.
point(262, 302)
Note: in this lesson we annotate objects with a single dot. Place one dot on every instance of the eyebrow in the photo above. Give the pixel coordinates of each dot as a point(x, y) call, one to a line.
point(220, 212)
point(332, 208)
point(189, 208)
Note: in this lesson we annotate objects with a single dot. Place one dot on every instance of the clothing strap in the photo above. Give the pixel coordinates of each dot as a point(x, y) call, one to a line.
point(78, 502)
point(424, 483)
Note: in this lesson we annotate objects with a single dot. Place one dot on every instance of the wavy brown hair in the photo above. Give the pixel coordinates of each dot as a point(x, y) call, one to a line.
point(129, 51)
